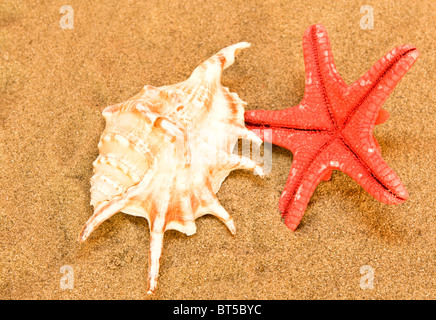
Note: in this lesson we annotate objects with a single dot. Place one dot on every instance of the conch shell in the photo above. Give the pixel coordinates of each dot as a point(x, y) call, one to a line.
point(165, 152)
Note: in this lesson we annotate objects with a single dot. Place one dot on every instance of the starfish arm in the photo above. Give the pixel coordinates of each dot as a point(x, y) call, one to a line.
point(324, 88)
point(269, 118)
point(290, 139)
point(318, 59)
point(307, 170)
point(370, 171)
point(301, 116)
point(370, 91)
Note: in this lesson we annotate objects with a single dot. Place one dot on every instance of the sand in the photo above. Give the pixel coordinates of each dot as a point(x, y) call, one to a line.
point(54, 84)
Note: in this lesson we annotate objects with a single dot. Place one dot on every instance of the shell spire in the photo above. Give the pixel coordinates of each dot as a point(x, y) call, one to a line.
point(165, 152)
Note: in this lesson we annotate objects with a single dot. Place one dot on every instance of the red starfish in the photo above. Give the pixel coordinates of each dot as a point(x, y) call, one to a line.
point(332, 127)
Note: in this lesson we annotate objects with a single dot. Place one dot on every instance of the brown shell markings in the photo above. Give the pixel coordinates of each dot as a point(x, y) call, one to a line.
point(165, 152)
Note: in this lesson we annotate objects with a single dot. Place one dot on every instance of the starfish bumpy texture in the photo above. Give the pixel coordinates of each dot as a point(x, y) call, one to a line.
point(332, 127)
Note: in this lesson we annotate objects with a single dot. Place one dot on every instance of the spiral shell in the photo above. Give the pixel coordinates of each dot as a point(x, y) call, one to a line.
point(165, 152)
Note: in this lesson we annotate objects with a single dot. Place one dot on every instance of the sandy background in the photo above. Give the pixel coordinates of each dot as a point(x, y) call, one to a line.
point(54, 84)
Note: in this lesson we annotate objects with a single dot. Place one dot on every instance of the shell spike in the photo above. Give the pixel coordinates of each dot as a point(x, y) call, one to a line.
point(230, 52)
point(101, 214)
point(218, 211)
point(212, 67)
point(244, 133)
point(239, 162)
point(156, 244)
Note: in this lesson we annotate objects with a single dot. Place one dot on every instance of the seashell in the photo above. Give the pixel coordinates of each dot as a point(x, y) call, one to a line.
point(165, 152)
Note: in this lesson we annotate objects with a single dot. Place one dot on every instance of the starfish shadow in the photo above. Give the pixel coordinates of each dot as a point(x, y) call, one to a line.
point(373, 218)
